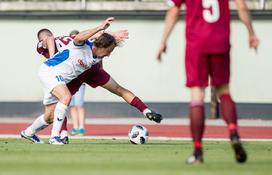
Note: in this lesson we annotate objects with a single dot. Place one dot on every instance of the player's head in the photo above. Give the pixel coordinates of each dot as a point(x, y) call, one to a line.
point(73, 33)
point(44, 33)
point(104, 45)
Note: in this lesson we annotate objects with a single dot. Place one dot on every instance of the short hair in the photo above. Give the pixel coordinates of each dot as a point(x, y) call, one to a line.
point(105, 40)
point(43, 31)
point(73, 32)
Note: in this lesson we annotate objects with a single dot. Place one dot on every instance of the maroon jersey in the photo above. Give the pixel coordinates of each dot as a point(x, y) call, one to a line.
point(207, 24)
point(60, 43)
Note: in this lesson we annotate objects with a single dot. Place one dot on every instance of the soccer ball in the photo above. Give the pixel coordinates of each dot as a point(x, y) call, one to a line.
point(138, 134)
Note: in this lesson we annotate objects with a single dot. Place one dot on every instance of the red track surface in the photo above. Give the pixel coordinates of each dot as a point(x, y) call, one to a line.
point(173, 131)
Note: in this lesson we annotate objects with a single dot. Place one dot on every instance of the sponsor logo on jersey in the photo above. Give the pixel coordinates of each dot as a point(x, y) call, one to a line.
point(81, 63)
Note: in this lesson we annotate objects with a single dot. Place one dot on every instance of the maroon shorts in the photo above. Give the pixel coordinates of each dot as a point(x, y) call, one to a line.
point(96, 76)
point(200, 67)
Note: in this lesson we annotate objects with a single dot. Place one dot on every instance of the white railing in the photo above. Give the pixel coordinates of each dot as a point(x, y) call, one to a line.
point(83, 4)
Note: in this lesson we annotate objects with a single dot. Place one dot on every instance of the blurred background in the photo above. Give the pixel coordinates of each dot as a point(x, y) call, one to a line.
point(134, 65)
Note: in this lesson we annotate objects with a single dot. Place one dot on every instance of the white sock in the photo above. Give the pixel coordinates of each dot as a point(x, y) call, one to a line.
point(146, 111)
point(37, 125)
point(59, 115)
point(63, 134)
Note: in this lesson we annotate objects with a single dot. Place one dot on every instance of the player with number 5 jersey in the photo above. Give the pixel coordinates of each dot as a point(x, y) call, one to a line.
point(207, 61)
point(207, 24)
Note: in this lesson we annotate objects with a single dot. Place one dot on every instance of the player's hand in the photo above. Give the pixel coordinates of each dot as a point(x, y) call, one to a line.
point(162, 50)
point(106, 23)
point(120, 35)
point(253, 42)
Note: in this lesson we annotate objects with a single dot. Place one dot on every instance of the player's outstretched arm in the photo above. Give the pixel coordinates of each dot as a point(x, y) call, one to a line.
point(244, 15)
point(86, 34)
point(119, 35)
point(170, 21)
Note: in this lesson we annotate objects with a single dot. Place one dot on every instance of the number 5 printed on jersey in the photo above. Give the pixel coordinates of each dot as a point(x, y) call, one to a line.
point(211, 11)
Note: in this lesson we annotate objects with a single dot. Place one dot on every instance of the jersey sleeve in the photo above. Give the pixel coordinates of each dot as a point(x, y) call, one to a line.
point(176, 3)
point(89, 42)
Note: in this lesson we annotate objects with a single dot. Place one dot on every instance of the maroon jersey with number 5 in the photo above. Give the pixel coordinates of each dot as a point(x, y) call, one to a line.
point(207, 24)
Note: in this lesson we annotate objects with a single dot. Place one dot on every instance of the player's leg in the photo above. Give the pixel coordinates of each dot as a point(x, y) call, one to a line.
point(64, 96)
point(79, 103)
point(64, 132)
point(220, 79)
point(131, 99)
point(74, 116)
point(197, 123)
point(39, 124)
point(55, 91)
point(197, 76)
point(81, 120)
point(228, 109)
point(97, 76)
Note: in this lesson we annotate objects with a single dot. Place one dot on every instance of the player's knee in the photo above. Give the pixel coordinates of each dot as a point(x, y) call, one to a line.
point(65, 99)
point(49, 118)
point(220, 90)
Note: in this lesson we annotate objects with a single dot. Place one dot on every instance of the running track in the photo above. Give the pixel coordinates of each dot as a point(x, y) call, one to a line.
point(155, 130)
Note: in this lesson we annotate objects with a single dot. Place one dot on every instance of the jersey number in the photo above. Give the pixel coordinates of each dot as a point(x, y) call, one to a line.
point(59, 78)
point(63, 41)
point(211, 12)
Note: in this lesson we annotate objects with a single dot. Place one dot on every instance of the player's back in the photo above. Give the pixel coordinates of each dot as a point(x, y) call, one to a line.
point(64, 42)
point(208, 25)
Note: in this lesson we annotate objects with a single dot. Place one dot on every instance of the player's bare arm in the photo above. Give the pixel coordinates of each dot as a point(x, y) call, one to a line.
point(86, 34)
point(244, 15)
point(50, 45)
point(170, 22)
point(119, 35)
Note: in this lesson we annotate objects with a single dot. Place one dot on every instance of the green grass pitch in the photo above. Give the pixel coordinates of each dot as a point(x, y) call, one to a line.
point(119, 157)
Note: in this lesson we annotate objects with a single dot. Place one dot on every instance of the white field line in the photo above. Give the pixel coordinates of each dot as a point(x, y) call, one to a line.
point(144, 121)
point(9, 136)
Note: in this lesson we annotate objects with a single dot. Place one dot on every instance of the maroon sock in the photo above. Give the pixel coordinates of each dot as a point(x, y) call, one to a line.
point(228, 109)
point(64, 125)
point(197, 118)
point(137, 103)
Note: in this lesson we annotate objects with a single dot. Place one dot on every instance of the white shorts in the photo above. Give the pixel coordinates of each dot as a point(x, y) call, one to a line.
point(78, 97)
point(49, 79)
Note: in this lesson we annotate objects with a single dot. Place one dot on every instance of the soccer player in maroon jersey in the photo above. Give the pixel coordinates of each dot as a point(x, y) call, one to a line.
point(208, 56)
point(95, 76)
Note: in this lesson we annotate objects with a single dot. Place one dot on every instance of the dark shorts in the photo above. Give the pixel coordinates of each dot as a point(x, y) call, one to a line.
point(200, 67)
point(96, 76)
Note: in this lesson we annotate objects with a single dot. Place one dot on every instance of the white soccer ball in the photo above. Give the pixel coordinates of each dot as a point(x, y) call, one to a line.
point(138, 134)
